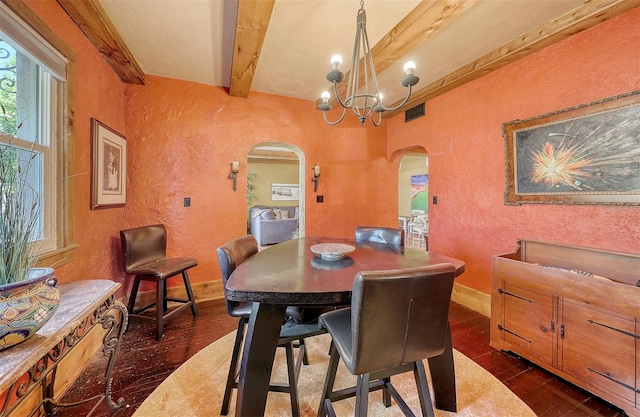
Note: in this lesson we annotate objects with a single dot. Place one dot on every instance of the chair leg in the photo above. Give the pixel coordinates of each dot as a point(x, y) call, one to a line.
point(303, 349)
point(165, 305)
point(362, 395)
point(329, 380)
point(386, 397)
point(423, 390)
point(133, 295)
point(233, 366)
point(187, 286)
point(293, 383)
point(161, 301)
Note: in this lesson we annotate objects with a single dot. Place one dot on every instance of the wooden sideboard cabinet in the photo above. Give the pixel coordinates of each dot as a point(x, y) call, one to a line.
point(574, 311)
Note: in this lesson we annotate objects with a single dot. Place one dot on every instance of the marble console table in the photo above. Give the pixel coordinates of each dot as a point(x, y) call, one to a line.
point(28, 370)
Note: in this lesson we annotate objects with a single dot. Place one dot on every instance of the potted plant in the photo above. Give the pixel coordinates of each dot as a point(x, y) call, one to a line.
point(251, 197)
point(28, 296)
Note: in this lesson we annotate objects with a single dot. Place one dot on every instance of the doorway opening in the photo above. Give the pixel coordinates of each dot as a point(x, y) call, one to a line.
point(413, 199)
point(275, 192)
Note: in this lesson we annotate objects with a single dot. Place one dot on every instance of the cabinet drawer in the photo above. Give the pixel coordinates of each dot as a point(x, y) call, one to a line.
point(528, 320)
point(600, 347)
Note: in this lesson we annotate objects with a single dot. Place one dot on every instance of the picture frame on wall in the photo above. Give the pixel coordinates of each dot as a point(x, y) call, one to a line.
point(108, 167)
point(285, 192)
point(589, 154)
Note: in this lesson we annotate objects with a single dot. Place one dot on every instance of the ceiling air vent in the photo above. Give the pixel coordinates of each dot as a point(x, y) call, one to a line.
point(414, 113)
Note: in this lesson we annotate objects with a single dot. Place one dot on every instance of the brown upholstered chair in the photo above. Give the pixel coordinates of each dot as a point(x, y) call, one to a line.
point(230, 255)
point(403, 321)
point(144, 254)
point(383, 235)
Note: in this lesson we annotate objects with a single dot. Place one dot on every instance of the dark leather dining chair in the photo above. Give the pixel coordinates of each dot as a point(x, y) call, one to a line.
point(404, 320)
point(384, 235)
point(144, 251)
point(230, 256)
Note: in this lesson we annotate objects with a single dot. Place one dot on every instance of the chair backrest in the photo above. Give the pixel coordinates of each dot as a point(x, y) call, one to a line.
point(142, 245)
point(399, 317)
point(384, 235)
point(232, 254)
point(420, 223)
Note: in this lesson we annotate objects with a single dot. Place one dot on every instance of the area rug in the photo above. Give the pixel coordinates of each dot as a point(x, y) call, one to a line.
point(195, 389)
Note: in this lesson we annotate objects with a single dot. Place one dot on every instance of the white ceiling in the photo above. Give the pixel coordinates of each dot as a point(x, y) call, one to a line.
point(193, 39)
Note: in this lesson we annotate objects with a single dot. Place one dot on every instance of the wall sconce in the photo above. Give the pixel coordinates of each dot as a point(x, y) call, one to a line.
point(235, 166)
point(316, 176)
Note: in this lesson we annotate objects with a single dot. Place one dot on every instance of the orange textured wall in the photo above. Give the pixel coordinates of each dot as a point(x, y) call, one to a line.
point(99, 94)
point(183, 137)
point(462, 133)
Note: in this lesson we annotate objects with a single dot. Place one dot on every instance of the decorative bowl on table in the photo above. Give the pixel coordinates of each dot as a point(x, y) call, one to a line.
point(318, 262)
point(332, 251)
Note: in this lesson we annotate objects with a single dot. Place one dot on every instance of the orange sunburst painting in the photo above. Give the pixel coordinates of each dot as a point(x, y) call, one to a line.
point(596, 154)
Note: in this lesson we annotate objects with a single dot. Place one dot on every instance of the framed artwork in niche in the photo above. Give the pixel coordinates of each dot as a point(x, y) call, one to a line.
point(420, 192)
point(589, 154)
point(108, 167)
point(285, 192)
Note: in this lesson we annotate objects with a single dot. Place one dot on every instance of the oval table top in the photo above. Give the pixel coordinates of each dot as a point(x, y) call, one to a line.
point(291, 273)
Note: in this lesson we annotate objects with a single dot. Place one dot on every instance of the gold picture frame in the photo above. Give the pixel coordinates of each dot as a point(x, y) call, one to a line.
point(109, 167)
point(589, 154)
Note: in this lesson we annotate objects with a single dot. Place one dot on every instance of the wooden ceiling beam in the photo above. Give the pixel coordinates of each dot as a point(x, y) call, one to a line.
point(424, 21)
point(93, 21)
point(251, 28)
point(588, 14)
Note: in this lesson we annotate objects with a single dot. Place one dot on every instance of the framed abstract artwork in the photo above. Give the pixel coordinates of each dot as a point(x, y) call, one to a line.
point(588, 154)
point(109, 167)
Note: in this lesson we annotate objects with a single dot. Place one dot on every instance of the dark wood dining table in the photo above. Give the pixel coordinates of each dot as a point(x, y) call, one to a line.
point(289, 273)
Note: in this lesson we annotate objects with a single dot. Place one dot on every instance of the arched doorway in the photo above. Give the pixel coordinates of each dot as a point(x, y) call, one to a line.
point(413, 198)
point(276, 178)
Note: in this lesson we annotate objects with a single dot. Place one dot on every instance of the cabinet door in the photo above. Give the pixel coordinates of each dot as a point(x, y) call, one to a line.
point(599, 347)
point(528, 322)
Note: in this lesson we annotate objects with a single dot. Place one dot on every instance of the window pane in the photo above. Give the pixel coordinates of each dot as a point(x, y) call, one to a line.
point(22, 186)
point(19, 86)
point(8, 89)
point(23, 158)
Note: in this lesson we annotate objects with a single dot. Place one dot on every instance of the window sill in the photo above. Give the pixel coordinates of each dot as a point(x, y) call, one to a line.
point(57, 258)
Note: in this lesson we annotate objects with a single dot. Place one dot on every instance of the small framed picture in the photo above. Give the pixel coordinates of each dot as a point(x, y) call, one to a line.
point(109, 167)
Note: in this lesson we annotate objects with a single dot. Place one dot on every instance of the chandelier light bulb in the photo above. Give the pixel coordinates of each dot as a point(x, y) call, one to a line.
point(325, 96)
point(409, 67)
point(336, 61)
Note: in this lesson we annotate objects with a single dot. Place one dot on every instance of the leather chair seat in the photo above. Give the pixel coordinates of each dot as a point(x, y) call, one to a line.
point(244, 310)
point(338, 324)
point(164, 268)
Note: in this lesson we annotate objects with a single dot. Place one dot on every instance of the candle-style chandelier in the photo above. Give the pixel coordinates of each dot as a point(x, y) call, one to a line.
point(364, 100)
